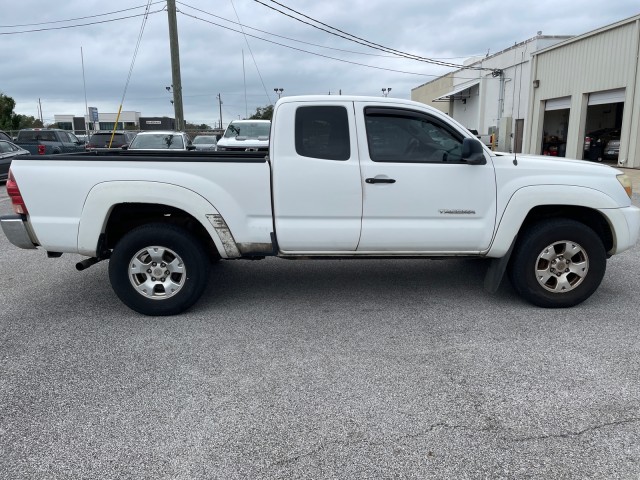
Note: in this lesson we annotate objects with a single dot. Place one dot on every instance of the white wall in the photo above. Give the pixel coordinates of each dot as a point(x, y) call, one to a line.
point(489, 106)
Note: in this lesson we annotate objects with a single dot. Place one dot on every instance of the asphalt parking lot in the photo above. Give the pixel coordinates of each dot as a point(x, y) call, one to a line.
point(319, 369)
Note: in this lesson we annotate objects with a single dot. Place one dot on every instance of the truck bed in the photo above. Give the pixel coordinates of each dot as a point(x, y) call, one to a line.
point(61, 189)
point(156, 156)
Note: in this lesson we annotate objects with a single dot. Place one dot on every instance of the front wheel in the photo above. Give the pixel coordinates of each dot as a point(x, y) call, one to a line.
point(159, 269)
point(558, 263)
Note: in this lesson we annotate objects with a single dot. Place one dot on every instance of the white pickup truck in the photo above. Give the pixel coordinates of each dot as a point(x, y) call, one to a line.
point(344, 177)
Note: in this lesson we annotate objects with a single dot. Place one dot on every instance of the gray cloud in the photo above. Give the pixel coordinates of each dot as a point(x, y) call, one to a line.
point(47, 64)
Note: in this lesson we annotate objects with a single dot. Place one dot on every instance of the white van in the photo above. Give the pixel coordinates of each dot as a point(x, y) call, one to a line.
point(245, 136)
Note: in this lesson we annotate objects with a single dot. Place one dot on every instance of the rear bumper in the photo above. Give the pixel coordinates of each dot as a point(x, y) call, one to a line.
point(16, 229)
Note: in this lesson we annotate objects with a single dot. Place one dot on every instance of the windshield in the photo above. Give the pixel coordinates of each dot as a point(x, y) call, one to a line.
point(248, 130)
point(104, 139)
point(36, 135)
point(158, 140)
point(204, 140)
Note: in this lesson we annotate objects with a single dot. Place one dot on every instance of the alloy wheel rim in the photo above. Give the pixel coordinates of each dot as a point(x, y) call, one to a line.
point(562, 266)
point(157, 272)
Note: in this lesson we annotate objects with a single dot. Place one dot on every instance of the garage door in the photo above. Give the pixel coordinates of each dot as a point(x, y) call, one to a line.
point(557, 103)
point(607, 96)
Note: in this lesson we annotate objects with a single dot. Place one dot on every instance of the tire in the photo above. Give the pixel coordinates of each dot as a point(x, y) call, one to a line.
point(557, 263)
point(159, 269)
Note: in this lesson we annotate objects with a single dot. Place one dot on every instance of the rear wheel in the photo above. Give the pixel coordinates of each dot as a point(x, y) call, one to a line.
point(159, 269)
point(558, 263)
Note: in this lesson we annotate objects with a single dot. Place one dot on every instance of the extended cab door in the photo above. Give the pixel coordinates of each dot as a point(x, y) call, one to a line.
point(317, 192)
point(419, 195)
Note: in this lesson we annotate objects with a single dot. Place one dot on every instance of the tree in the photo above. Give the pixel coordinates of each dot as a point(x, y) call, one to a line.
point(26, 121)
point(192, 126)
point(7, 104)
point(14, 121)
point(263, 113)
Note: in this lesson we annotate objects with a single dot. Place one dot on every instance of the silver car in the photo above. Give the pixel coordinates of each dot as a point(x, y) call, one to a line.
point(8, 151)
point(161, 140)
point(205, 142)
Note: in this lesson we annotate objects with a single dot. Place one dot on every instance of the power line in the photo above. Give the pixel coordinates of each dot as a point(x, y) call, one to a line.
point(310, 43)
point(362, 41)
point(251, 52)
point(288, 38)
point(135, 52)
point(318, 54)
point(79, 18)
point(82, 24)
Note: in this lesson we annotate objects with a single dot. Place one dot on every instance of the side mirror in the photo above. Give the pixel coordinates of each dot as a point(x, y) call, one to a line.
point(191, 147)
point(472, 152)
point(125, 147)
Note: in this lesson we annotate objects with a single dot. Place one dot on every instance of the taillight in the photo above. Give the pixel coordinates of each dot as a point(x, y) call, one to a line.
point(41, 149)
point(13, 191)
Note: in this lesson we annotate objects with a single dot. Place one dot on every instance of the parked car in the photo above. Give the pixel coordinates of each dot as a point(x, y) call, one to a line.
point(205, 142)
point(5, 136)
point(612, 149)
point(103, 139)
point(161, 140)
point(245, 136)
point(596, 142)
point(47, 141)
point(8, 151)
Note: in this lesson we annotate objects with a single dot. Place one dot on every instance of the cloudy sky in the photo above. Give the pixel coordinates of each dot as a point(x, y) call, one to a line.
point(41, 48)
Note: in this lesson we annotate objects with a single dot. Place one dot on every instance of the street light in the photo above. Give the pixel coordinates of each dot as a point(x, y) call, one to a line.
point(386, 91)
point(278, 91)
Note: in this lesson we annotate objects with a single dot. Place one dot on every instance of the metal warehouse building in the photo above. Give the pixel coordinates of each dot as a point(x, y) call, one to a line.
point(489, 94)
point(589, 83)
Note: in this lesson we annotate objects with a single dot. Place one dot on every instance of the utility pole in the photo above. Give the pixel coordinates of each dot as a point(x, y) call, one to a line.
point(220, 106)
point(175, 64)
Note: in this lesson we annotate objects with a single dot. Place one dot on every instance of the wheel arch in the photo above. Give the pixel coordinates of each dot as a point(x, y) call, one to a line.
point(595, 210)
point(590, 217)
point(113, 208)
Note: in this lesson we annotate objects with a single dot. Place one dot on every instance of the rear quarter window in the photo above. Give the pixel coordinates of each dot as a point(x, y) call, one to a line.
point(322, 132)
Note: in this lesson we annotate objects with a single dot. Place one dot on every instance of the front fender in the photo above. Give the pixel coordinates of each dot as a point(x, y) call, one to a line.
point(525, 199)
point(104, 196)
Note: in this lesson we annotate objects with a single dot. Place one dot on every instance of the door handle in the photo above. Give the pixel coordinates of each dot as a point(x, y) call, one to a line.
point(380, 180)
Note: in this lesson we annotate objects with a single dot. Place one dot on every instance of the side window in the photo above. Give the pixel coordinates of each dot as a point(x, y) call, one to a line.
point(395, 135)
point(72, 138)
point(64, 138)
point(44, 136)
point(323, 132)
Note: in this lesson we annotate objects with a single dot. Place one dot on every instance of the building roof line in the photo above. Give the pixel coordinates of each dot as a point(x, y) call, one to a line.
point(591, 33)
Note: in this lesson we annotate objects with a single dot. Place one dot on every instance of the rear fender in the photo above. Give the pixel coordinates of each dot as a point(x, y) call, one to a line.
point(104, 196)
